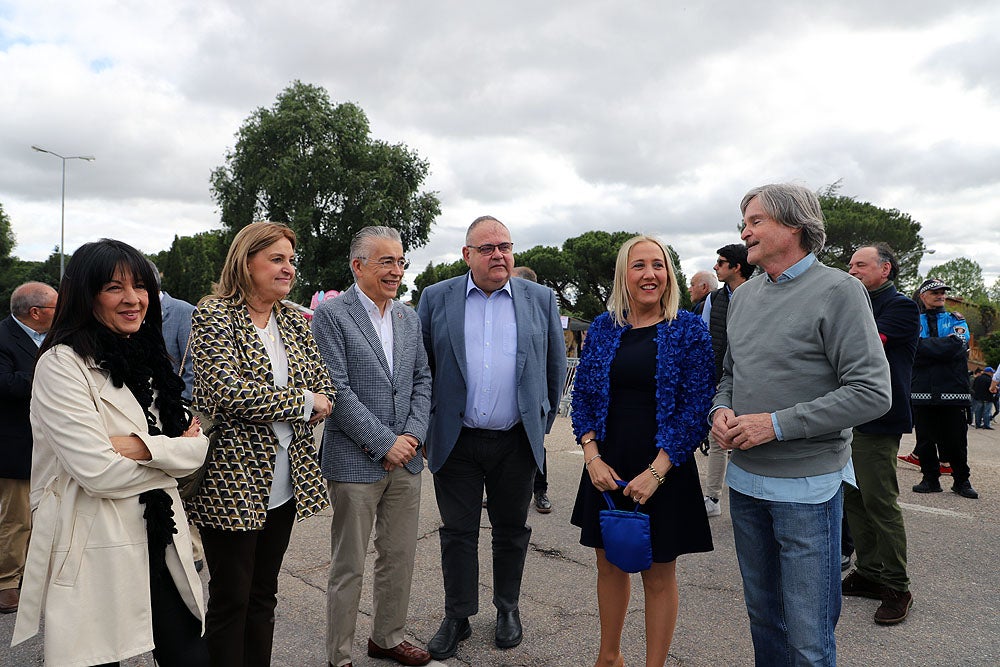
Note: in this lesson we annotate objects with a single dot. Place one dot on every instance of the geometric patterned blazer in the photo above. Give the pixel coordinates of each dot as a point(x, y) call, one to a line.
point(233, 381)
point(374, 406)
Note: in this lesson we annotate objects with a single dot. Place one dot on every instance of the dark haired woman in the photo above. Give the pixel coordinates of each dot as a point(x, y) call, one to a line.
point(110, 560)
point(257, 369)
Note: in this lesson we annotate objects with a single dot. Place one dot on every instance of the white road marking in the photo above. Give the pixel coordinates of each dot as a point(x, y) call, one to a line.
point(935, 510)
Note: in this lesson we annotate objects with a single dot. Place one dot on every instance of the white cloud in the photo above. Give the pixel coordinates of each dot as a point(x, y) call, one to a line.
point(556, 117)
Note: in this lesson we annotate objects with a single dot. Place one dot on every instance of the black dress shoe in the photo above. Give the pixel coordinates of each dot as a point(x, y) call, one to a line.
point(965, 490)
point(542, 503)
point(444, 644)
point(508, 634)
point(927, 486)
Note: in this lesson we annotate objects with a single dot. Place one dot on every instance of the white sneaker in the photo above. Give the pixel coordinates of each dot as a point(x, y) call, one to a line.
point(712, 507)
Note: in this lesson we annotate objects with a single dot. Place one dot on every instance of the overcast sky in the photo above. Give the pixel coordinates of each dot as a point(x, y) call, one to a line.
point(556, 117)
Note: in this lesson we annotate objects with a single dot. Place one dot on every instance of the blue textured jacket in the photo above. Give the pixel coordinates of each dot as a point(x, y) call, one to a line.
point(685, 382)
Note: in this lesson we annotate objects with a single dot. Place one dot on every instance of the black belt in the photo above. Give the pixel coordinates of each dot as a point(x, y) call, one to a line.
point(489, 433)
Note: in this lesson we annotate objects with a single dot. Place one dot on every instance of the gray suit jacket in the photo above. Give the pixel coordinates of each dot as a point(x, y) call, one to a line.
point(176, 331)
point(373, 407)
point(540, 365)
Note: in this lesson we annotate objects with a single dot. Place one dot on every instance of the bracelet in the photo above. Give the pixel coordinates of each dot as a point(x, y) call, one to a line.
point(656, 475)
point(590, 439)
point(592, 459)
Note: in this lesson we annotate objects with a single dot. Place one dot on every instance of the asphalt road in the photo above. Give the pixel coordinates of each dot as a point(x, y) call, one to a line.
point(953, 561)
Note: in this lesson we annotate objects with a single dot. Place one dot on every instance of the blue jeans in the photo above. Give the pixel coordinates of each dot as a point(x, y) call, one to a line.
point(789, 555)
point(982, 412)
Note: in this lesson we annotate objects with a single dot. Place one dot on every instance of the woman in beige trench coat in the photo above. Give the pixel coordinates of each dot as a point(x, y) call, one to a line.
point(110, 561)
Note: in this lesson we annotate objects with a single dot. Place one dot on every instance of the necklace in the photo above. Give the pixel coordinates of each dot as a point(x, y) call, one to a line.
point(268, 329)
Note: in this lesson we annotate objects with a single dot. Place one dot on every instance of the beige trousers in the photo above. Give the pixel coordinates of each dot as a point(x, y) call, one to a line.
point(15, 528)
point(392, 507)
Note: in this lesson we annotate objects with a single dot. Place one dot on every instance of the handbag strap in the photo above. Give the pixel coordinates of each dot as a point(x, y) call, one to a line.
point(611, 503)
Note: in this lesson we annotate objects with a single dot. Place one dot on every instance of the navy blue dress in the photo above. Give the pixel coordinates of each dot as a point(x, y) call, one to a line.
point(678, 523)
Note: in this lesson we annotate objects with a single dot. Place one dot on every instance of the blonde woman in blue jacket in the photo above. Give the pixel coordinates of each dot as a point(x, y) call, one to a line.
point(640, 401)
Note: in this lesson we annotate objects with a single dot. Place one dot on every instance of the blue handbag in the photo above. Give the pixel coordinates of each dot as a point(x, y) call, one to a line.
point(626, 536)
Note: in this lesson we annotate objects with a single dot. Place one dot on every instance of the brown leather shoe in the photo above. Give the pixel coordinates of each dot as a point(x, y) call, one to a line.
point(9, 599)
point(894, 608)
point(405, 653)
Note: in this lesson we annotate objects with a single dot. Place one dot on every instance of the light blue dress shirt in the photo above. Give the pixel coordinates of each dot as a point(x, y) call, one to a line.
point(36, 338)
point(809, 490)
point(490, 358)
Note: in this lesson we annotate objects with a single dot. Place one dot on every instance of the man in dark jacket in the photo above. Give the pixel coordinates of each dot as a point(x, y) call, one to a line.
point(872, 509)
point(982, 398)
point(732, 270)
point(32, 306)
point(939, 392)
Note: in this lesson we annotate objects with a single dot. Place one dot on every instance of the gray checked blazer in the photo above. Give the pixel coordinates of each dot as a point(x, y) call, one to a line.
point(372, 408)
point(176, 331)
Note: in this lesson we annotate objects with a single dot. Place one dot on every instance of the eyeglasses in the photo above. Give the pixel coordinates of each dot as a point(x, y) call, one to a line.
point(722, 262)
point(489, 248)
point(42, 307)
point(389, 263)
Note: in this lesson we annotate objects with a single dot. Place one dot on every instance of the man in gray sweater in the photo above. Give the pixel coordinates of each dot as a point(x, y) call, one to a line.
point(805, 364)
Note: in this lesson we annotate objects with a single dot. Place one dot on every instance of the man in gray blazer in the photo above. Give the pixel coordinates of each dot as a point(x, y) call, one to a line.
point(176, 331)
point(372, 445)
point(498, 358)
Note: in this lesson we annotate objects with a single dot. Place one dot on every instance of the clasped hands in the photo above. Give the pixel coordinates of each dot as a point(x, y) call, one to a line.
point(639, 489)
point(742, 432)
point(405, 448)
point(322, 407)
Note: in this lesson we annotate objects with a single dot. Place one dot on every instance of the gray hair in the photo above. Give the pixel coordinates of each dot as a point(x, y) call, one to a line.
point(28, 296)
point(479, 221)
point(156, 272)
point(706, 278)
point(362, 242)
point(793, 206)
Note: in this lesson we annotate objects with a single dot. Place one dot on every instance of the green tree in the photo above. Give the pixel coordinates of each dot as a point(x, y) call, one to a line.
point(851, 224)
point(990, 345)
point(7, 238)
point(435, 273)
point(964, 277)
point(192, 263)
point(313, 165)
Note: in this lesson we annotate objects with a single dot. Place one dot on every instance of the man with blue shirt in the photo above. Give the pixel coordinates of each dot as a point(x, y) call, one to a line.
point(32, 307)
point(498, 361)
point(804, 365)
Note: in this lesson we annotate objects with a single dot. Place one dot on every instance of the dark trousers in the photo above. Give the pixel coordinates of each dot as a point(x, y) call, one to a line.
point(176, 631)
point(502, 460)
point(942, 428)
point(541, 484)
point(243, 589)
point(873, 510)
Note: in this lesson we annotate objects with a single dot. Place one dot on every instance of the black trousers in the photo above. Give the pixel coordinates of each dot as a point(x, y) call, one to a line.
point(243, 588)
point(942, 428)
point(176, 631)
point(541, 484)
point(503, 462)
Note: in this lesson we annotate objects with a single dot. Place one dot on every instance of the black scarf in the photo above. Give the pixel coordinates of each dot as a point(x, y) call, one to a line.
point(130, 363)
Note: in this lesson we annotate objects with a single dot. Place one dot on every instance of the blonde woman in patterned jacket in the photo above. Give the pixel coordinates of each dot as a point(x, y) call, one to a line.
point(257, 369)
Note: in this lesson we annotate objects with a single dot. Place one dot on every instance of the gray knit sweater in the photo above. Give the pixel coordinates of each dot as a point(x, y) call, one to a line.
point(808, 350)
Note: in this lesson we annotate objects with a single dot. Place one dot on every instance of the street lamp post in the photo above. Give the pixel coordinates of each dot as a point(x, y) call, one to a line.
point(62, 217)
